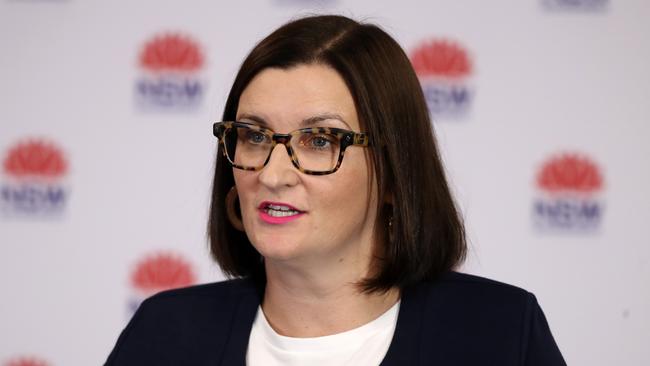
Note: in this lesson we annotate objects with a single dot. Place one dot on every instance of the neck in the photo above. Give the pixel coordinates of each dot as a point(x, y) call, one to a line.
point(309, 303)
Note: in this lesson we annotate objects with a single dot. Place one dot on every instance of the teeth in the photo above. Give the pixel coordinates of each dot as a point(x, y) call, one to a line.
point(279, 208)
point(280, 213)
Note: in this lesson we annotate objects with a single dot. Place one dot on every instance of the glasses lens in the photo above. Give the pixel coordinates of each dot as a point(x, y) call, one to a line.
point(316, 151)
point(247, 147)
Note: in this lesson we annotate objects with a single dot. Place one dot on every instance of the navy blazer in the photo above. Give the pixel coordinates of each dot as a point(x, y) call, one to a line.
point(459, 319)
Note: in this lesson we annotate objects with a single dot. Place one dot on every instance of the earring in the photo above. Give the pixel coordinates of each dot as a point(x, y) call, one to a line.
point(391, 229)
point(231, 212)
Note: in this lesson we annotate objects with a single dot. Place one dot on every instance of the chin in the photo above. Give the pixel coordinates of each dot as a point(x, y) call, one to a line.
point(277, 247)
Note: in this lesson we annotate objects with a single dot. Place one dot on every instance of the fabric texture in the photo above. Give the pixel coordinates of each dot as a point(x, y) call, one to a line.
point(364, 345)
point(459, 319)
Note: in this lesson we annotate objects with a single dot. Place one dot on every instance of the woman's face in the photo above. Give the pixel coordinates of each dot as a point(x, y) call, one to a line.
point(336, 211)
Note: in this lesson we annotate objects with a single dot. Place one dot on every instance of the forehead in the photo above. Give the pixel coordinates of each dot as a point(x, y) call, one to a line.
point(285, 98)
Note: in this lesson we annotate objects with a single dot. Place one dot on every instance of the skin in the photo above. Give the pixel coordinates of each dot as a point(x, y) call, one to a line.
point(314, 262)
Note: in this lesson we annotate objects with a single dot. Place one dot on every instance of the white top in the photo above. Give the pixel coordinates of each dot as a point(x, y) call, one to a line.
point(365, 345)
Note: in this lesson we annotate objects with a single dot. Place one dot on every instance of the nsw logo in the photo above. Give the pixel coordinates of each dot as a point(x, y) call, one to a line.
point(26, 361)
point(158, 272)
point(33, 182)
point(569, 194)
point(444, 69)
point(170, 74)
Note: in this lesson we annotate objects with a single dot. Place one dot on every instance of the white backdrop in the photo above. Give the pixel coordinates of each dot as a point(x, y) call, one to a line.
point(107, 163)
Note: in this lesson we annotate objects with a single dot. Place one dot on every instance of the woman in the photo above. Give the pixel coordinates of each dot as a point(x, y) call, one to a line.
point(345, 238)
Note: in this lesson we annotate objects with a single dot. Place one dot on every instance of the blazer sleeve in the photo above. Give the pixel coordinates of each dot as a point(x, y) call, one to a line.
point(539, 347)
point(125, 336)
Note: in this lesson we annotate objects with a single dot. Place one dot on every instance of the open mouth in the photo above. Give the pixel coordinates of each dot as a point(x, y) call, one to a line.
point(279, 210)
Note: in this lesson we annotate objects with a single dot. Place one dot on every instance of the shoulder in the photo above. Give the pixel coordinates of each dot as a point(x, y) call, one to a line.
point(474, 299)
point(468, 297)
point(213, 302)
point(211, 294)
point(494, 320)
point(176, 326)
point(467, 285)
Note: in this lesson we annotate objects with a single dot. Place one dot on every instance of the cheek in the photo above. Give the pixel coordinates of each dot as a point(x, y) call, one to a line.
point(245, 190)
point(347, 197)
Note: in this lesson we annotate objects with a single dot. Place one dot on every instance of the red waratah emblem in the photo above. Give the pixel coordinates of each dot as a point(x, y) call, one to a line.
point(26, 361)
point(569, 173)
point(162, 271)
point(171, 52)
point(35, 158)
point(441, 58)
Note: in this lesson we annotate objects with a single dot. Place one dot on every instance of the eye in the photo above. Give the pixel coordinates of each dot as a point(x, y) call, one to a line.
point(255, 137)
point(319, 142)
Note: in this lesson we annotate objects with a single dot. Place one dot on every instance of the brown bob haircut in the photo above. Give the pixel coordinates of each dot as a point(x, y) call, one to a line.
point(426, 236)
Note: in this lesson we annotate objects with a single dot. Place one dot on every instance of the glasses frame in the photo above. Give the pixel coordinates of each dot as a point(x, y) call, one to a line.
point(346, 138)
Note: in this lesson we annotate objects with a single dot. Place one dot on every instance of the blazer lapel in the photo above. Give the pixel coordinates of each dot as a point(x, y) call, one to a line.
point(405, 346)
point(242, 322)
point(403, 350)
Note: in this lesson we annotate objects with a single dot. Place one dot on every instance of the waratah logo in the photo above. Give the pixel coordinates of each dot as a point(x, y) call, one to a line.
point(569, 194)
point(170, 64)
point(26, 361)
point(444, 68)
point(33, 179)
point(159, 272)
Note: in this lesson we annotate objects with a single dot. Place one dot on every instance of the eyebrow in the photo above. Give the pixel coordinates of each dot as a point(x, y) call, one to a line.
point(307, 122)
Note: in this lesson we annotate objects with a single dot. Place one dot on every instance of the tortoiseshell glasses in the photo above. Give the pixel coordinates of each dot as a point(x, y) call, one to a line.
point(315, 150)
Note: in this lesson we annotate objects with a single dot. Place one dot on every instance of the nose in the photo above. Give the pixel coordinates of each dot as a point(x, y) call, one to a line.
point(279, 171)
